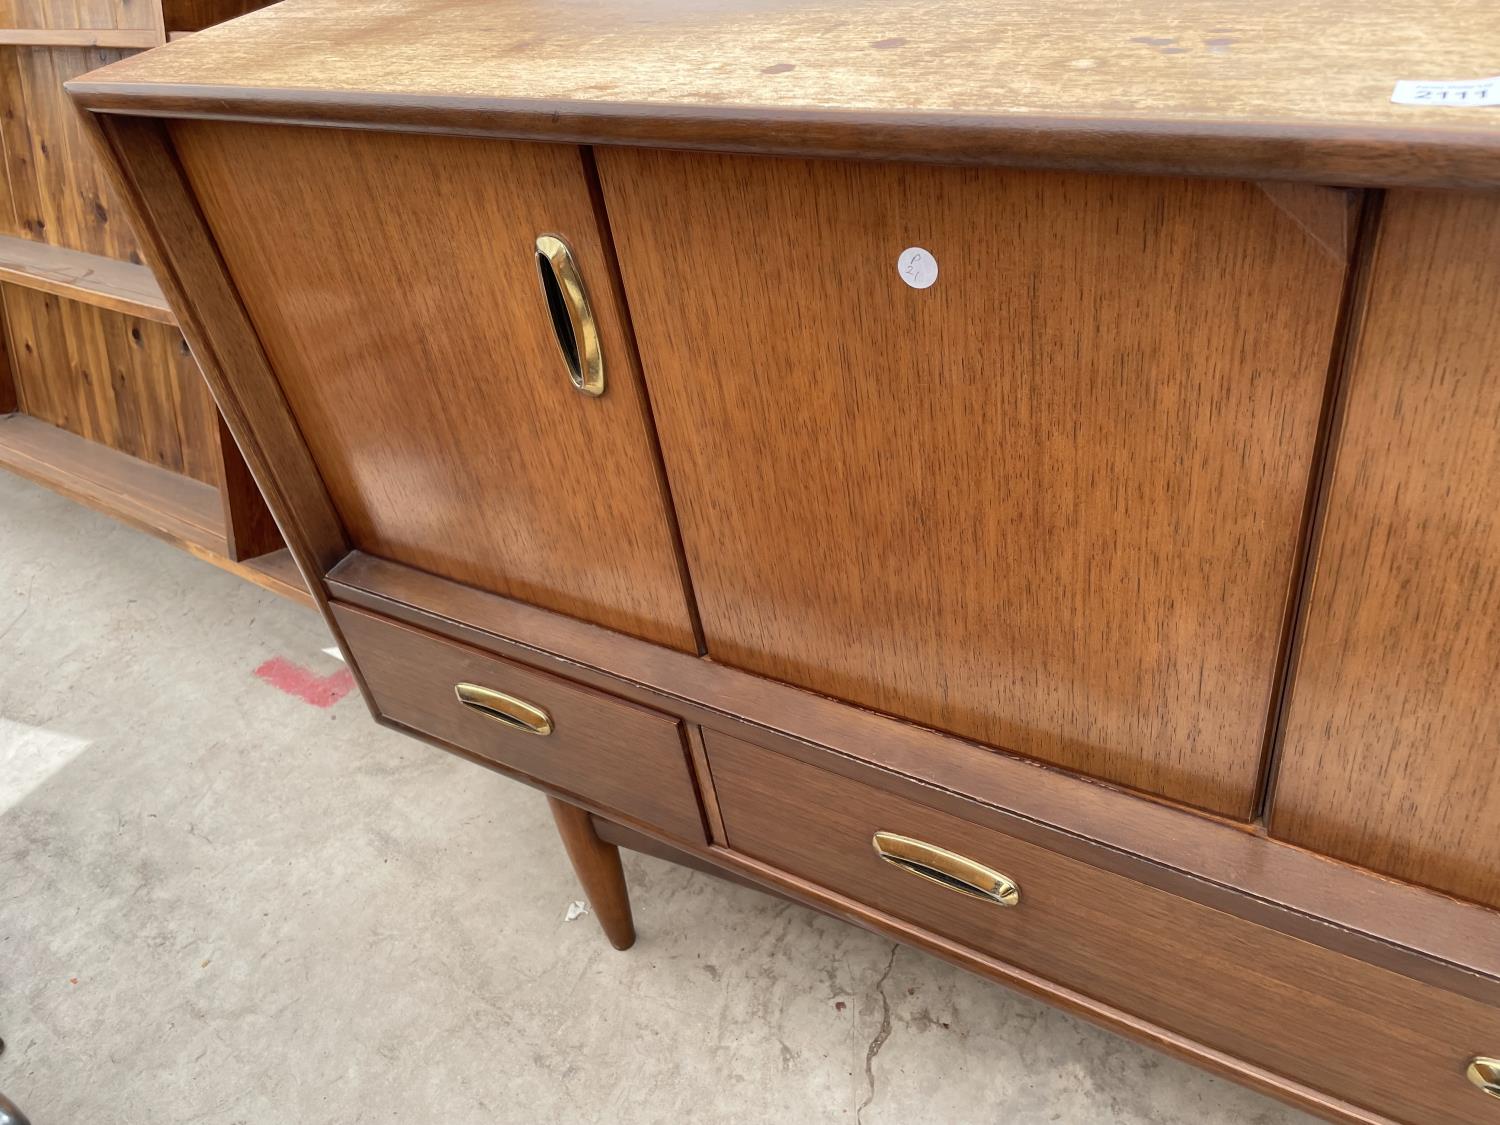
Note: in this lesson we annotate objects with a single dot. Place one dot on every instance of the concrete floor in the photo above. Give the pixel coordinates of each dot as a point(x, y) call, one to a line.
point(222, 904)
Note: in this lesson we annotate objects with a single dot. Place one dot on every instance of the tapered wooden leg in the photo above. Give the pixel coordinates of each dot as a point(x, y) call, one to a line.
point(597, 866)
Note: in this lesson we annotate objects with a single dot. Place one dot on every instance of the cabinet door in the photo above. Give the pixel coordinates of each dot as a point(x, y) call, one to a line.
point(1050, 500)
point(394, 282)
point(1393, 731)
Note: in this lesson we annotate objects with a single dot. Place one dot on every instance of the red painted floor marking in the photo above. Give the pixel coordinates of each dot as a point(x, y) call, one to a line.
point(304, 683)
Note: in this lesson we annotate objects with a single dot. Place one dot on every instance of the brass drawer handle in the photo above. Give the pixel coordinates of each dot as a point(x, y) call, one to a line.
point(572, 315)
point(947, 869)
point(1485, 1073)
point(507, 709)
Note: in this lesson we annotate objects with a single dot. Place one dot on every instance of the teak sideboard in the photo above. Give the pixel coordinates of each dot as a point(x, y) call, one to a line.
point(1023, 479)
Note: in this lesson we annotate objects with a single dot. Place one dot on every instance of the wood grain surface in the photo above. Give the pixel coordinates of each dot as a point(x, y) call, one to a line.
point(1389, 757)
point(107, 282)
point(8, 399)
point(59, 194)
point(1226, 89)
point(177, 508)
point(597, 865)
point(1050, 503)
point(1284, 1004)
point(81, 14)
point(411, 338)
point(620, 754)
point(126, 383)
point(1420, 933)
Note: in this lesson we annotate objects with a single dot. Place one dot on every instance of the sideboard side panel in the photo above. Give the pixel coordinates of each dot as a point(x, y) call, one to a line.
point(1390, 753)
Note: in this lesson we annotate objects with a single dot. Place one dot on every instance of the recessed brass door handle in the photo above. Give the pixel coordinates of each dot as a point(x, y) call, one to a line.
point(947, 869)
point(514, 713)
point(572, 315)
point(1485, 1073)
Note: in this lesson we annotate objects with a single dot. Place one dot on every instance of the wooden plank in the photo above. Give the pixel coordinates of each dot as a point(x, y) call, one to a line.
point(167, 504)
point(75, 205)
point(106, 282)
point(86, 15)
point(127, 383)
point(1198, 86)
point(23, 215)
point(1389, 754)
point(114, 38)
point(1053, 508)
point(1417, 932)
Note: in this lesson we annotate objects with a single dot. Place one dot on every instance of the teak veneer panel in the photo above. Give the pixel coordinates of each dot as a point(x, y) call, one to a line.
point(625, 756)
point(1237, 89)
point(393, 284)
point(1389, 757)
point(1420, 933)
point(1367, 1035)
point(1050, 503)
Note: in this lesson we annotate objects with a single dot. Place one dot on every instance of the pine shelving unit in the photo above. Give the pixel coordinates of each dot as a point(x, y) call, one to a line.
point(99, 396)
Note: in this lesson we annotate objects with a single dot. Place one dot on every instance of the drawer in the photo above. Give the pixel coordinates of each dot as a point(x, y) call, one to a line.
point(624, 756)
point(1364, 1034)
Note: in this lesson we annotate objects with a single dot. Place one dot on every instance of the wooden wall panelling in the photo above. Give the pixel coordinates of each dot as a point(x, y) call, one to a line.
point(126, 383)
point(22, 215)
point(68, 201)
point(66, 14)
point(488, 468)
point(1389, 755)
point(1052, 502)
point(116, 380)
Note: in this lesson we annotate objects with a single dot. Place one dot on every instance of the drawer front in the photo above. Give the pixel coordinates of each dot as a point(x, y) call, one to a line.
point(625, 757)
point(1361, 1033)
point(1049, 502)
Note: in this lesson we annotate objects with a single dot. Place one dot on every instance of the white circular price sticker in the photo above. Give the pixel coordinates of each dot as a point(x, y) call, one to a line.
point(917, 267)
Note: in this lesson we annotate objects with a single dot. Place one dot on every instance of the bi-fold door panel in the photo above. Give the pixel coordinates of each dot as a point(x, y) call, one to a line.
point(1040, 484)
point(1391, 757)
point(393, 280)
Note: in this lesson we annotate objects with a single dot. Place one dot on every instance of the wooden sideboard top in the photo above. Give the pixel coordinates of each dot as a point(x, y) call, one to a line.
point(1281, 88)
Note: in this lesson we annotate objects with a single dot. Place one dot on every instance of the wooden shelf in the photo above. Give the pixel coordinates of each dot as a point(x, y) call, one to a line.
point(278, 573)
point(107, 282)
point(175, 507)
point(122, 37)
